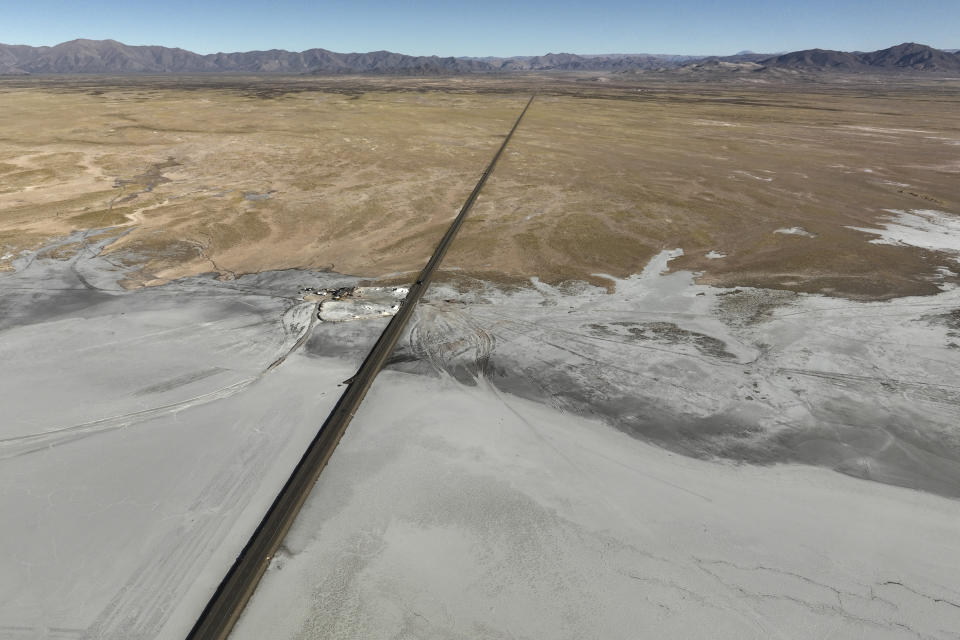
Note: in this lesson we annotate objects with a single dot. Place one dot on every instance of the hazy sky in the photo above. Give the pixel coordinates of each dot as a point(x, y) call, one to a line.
point(490, 27)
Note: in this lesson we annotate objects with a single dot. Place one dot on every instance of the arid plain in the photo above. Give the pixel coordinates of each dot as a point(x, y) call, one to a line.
point(362, 175)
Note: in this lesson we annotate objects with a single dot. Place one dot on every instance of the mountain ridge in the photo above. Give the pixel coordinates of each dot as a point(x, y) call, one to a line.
point(110, 56)
point(903, 57)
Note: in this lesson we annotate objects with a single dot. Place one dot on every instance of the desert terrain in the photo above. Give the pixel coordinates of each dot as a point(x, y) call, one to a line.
point(361, 176)
point(688, 369)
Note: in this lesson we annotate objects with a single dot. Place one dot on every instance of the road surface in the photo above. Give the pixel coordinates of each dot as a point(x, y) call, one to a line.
point(227, 603)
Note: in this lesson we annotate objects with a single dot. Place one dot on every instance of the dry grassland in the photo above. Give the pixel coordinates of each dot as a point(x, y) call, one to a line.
point(234, 182)
point(362, 176)
point(600, 185)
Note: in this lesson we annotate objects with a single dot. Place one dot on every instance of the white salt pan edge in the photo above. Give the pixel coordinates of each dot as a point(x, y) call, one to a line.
point(925, 228)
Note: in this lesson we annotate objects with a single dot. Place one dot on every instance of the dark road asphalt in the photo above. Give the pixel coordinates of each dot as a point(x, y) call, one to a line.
point(227, 603)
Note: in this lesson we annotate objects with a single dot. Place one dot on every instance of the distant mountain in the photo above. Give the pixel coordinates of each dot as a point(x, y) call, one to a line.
point(743, 56)
point(10, 56)
point(573, 62)
point(101, 56)
point(907, 57)
point(11, 70)
point(110, 56)
point(904, 57)
point(716, 65)
point(913, 56)
point(821, 59)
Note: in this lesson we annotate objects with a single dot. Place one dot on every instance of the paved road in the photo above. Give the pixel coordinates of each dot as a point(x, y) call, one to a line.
point(224, 608)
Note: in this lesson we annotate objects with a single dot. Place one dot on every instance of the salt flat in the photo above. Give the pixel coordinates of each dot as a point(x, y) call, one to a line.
point(492, 489)
point(461, 512)
point(750, 374)
point(144, 433)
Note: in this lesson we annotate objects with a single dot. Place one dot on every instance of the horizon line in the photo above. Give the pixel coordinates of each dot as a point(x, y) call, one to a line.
point(475, 57)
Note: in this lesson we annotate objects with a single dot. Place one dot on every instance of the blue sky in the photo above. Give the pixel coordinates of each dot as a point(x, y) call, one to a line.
point(491, 27)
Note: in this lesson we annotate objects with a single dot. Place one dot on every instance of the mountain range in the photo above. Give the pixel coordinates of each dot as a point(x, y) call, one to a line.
point(110, 56)
point(907, 56)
